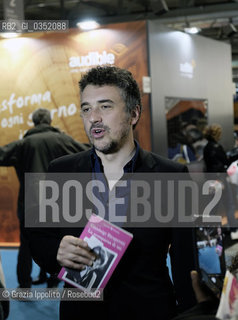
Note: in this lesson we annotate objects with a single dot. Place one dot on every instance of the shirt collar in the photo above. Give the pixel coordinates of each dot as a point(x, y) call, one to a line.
point(129, 167)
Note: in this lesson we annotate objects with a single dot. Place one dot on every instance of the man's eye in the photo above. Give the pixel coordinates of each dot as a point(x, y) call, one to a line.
point(85, 110)
point(106, 107)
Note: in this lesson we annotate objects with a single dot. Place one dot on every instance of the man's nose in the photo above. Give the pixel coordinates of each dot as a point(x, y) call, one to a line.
point(95, 115)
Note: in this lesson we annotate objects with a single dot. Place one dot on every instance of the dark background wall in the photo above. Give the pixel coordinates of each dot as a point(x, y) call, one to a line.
point(207, 74)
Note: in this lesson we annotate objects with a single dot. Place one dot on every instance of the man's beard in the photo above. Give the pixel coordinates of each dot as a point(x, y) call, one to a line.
point(111, 147)
point(114, 145)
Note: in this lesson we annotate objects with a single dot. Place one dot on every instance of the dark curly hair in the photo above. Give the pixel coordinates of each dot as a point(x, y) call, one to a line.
point(114, 76)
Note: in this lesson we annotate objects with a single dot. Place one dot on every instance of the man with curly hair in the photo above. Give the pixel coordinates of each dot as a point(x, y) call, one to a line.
point(140, 286)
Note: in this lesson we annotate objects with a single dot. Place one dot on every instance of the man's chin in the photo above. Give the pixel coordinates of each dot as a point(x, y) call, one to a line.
point(107, 149)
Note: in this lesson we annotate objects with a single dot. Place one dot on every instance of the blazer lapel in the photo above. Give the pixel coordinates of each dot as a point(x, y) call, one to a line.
point(83, 163)
point(145, 162)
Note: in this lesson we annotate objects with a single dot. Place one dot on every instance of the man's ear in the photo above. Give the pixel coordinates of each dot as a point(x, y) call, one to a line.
point(135, 115)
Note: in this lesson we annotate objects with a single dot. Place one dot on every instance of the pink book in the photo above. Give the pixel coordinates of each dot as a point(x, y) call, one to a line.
point(109, 242)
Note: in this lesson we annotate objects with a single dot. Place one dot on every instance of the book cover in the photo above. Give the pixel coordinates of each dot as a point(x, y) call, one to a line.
point(109, 242)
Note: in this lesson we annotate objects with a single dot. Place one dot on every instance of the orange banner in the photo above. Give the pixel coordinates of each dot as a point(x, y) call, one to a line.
point(43, 70)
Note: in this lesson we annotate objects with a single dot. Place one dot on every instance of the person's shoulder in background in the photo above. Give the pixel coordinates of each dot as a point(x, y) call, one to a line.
point(70, 163)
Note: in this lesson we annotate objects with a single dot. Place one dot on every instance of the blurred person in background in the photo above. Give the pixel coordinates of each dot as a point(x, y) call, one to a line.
point(197, 140)
point(217, 162)
point(179, 147)
point(214, 154)
point(211, 307)
point(233, 153)
point(39, 146)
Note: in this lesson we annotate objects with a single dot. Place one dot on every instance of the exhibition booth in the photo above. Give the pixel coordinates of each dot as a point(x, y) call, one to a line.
point(176, 73)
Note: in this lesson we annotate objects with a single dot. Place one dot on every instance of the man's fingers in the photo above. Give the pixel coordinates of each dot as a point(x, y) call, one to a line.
point(75, 241)
point(77, 247)
point(200, 294)
point(79, 257)
point(195, 279)
point(73, 264)
point(74, 253)
point(77, 251)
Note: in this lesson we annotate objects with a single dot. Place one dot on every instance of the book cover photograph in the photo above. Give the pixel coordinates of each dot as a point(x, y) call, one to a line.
point(108, 242)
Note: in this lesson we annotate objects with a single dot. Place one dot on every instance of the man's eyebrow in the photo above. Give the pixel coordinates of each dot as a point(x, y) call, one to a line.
point(105, 100)
point(99, 101)
point(84, 104)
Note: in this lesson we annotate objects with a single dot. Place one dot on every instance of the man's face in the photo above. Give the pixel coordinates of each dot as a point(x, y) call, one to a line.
point(106, 122)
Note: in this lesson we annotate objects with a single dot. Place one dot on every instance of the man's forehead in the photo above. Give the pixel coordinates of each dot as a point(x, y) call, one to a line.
point(104, 92)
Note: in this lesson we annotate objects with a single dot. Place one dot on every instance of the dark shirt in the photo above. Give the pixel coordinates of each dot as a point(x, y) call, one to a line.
point(109, 196)
point(97, 163)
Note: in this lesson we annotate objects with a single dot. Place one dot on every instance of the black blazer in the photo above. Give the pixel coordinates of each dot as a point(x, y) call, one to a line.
point(140, 286)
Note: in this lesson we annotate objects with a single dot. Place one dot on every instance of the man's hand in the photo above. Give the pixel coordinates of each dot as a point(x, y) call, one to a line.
point(74, 253)
point(200, 293)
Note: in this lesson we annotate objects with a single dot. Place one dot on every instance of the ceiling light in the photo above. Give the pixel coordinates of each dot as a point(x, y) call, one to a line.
point(9, 35)
point(192, 30)
point(88, 25)
point(233, 30)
